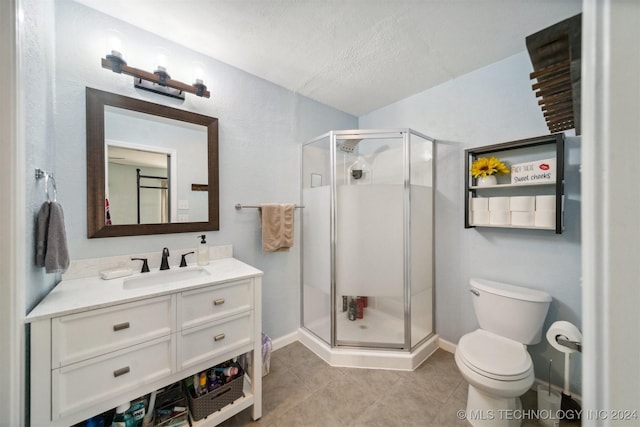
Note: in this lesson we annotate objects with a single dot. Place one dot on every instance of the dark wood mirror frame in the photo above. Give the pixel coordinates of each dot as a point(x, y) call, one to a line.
point(96, 227)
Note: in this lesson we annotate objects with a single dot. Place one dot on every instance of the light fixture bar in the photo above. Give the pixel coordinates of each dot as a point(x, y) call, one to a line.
point(154, 78)
point(140, 83)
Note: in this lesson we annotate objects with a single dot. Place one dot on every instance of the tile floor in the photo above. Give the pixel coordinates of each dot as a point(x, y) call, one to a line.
point(301, 390)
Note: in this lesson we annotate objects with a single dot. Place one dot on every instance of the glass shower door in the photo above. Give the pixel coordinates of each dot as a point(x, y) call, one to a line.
point(369, 240)
point(421, 238)
point(316, 243)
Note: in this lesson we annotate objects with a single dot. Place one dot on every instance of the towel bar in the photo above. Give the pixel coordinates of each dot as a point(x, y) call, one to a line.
point(239, 206)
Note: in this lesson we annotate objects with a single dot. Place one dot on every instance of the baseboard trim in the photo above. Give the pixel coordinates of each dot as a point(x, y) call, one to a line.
point(447, 346)
point(284, 340)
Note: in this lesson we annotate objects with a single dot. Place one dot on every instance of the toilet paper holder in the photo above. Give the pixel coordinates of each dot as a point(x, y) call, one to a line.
point(573, 345)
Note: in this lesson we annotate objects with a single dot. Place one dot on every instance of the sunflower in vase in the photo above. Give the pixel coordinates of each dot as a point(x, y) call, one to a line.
point(485, 169)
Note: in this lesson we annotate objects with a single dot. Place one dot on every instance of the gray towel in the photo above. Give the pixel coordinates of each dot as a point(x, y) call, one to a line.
point(41, 234)
point(57, 258)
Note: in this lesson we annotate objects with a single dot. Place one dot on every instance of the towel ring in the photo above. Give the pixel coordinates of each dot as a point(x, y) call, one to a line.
point(40, 174)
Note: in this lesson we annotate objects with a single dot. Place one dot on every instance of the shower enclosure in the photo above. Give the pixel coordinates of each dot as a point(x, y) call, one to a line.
point(367, 239)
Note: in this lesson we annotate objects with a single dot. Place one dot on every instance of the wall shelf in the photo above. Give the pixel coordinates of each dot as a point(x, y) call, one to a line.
point(513, 152)
point(522, 227)
point(499, 186)
point(555, 54)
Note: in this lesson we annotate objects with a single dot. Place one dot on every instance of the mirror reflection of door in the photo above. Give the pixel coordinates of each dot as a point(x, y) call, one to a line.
point(160, 147)
point(152, 196)
point(138, 185)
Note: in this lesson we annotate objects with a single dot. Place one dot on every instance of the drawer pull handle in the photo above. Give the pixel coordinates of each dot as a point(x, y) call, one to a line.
point(218, 337)
point(219, 301)
point(121, 326)
point(121, 371)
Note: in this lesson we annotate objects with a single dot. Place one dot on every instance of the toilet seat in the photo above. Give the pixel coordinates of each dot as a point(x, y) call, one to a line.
point(494, 356)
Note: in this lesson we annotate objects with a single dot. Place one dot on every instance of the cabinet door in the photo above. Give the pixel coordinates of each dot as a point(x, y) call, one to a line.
point(80, 336)
point(80, 385)
point(213, 340)
point(201, 306)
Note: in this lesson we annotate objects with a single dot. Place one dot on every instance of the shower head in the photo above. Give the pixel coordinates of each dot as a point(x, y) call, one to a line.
point(348, 145)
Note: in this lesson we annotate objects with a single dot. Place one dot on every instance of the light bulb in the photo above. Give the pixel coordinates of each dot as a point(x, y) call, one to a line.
point(198, 73)
point(115, 43)
point(162, 59)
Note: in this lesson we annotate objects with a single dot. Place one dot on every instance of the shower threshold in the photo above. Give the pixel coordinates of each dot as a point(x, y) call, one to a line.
point(369, 358)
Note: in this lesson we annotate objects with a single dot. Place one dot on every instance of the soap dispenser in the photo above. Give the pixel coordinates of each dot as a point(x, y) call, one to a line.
point(359, 172)
point(203, 251)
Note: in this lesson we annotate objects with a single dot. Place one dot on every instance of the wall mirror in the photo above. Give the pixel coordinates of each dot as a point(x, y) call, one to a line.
point(151, 169)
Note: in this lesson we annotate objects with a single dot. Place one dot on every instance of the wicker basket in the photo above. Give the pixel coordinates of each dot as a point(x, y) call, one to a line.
point(202, 406)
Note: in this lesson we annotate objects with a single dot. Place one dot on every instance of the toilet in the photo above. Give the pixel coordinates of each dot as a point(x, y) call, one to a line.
point(494, 359)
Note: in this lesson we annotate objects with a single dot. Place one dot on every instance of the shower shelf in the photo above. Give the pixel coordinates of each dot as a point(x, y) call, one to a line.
point(513, 152)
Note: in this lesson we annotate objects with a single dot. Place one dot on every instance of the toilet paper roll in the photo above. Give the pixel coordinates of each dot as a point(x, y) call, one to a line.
point(522, 203)
point(564, 329)
point(499, 217)
point(480, 204)
point(480, 217)
point(499, 203)
point(545, 203)
point(545, 218)
point(523, 219)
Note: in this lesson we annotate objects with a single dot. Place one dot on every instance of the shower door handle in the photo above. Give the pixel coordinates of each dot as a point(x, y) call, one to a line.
point(473, 291)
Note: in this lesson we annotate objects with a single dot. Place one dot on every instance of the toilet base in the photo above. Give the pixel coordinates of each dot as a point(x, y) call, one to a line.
point(486, 410)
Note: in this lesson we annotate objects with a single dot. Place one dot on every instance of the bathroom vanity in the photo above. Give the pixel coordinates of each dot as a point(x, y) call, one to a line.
point(96, 344)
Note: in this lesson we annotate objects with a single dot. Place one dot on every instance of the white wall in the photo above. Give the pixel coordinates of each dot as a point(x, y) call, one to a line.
point(261, 126)
point(37, 51)
point(36, 147)
point(492, 105)
point(12, 359)
point(611, 107)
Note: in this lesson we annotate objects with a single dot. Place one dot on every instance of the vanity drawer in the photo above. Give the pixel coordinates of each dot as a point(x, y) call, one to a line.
point(83, 384)
point(198, 344)
point(77, 337)
point(215, 302)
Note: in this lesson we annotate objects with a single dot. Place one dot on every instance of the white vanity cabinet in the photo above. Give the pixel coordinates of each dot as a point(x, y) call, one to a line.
point(95, 344)
point(222, 312)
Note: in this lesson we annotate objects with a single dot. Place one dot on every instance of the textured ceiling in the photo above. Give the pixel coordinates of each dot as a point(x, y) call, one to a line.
point(354, 55)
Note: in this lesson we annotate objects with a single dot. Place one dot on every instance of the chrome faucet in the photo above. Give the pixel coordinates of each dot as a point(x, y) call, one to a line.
point(164, 265)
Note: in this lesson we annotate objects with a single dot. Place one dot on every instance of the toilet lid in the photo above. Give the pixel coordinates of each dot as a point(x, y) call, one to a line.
point(494, 356)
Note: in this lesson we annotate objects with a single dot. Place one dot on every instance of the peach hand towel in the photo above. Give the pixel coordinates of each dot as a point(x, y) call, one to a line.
point(276, 221)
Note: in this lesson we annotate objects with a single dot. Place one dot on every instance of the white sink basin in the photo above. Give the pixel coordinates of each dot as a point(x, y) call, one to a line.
point(164, 277)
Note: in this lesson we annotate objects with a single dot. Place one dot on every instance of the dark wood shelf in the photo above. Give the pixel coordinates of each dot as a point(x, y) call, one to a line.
point(555, 143)
point(555, 54)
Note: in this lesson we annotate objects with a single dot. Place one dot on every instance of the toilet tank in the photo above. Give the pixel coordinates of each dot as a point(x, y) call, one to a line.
point(510, 311)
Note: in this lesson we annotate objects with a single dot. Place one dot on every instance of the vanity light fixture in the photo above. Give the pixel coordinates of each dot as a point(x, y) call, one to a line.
point(158, 82)
point(198, 73)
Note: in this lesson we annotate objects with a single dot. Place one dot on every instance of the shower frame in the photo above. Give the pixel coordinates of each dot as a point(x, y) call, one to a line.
point(364, 134)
